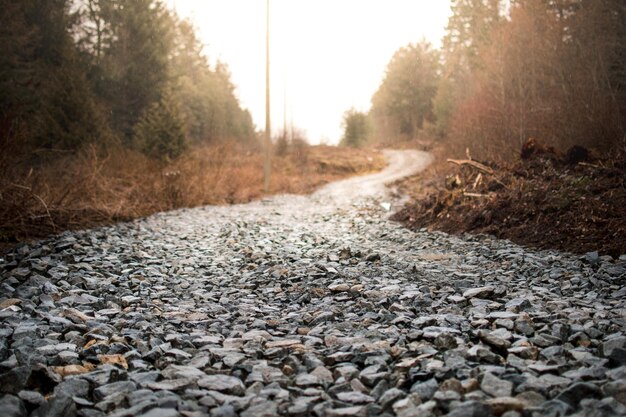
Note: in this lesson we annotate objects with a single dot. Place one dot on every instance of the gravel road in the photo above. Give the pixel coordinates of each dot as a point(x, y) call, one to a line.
point(298, 306)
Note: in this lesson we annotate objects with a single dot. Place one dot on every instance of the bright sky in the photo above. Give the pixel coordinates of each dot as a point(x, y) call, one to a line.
point(326, 56)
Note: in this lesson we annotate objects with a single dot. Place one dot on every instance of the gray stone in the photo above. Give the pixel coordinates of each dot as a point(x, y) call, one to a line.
point(495, 386)
point(355, 397)
point(410, 406)
point(493, 340)
point(471, 409)
point(616, 389)
point(445, 341)
point(172, 384)
point(390, 397)
point(355, 411)
point(181, 371)
point(262, 409)
point(307, 380)
point(607, 347)
point(33, 398)
point(578, 391)
point(161, 412)
point(607, 407)
point(56, 406)
point(14, 380)
point(425, 389)
point(226, 410)
point(73, 387)
point(480, 292)
point(223, 383)
point(121, 387)
point(12, 406)
point(555, 408)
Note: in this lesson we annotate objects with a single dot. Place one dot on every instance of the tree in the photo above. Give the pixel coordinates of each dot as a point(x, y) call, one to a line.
point(468, 33)
point(547, 69)
point(160, 132)
point(135, 66)
point(209, 105)
point(355, 129)
point(42, 77)
point(404, 99)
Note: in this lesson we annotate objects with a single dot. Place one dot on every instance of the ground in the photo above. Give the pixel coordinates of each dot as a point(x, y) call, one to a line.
point(313, 305)
point(540, 202)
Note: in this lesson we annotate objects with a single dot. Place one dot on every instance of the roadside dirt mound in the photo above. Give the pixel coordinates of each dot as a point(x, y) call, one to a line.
point(544, 201)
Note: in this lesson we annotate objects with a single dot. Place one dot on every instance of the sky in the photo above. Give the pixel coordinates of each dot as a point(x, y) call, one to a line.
point(326, 56)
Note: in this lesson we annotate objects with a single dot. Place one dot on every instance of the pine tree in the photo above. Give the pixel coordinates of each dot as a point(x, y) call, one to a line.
point(404, 99)
point(135, 67)
point(160, 132)
point(42, 78)
point(355, 129)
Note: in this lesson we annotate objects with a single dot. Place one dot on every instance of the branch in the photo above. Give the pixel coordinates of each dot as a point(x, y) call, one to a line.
point(474, 164)
point(466, 194)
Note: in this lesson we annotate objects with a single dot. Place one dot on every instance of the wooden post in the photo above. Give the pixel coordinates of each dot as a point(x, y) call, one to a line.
point(268, 130)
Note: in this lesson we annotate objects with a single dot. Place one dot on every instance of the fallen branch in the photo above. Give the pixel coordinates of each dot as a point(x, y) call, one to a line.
point(587, 164)
point(466, 194)
point(479, 178)
point(474, 164)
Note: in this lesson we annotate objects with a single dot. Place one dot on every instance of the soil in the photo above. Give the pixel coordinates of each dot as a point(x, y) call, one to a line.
point(542, 202)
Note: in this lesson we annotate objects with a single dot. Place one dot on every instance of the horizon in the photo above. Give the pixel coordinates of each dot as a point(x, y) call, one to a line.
point(315, 108)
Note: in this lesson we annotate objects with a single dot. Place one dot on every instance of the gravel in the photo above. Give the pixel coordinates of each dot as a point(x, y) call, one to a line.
point(302, 306)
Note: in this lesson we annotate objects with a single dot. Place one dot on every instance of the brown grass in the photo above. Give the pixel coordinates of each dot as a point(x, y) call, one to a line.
point(44, 194)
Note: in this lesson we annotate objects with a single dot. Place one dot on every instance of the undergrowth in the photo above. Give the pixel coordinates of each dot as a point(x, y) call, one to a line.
point(46, 192)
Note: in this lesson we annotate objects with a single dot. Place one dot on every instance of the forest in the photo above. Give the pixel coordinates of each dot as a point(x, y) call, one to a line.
point(507, 71)
point(97, 71)
point(110, 110)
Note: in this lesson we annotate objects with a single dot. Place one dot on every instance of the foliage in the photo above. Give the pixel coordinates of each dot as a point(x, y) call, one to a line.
point(209, 105)
point(134, 65)
point(74, 72)
point(551, 70)
point(403, 101)
point(42, 84)
point(509, 71)
point(356, 129)
point(160, 132)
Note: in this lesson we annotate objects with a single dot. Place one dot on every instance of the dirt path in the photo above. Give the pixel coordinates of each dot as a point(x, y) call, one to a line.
point(401, 164)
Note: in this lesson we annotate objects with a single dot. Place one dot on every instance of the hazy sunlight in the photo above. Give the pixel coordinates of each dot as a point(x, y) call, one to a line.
point(326, 55)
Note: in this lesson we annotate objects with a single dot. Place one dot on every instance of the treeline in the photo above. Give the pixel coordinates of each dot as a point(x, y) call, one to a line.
point(553, 70)
point(123, 72)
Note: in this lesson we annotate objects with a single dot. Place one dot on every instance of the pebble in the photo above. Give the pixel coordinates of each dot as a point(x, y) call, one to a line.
point(305, 306)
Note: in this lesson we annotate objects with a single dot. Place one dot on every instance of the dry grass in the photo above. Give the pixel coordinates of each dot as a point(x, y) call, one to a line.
point(50, 193)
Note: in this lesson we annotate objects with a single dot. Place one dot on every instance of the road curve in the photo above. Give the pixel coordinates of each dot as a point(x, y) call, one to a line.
point(401, 163)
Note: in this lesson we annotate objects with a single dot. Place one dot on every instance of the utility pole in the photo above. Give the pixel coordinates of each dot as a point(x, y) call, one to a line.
point(285, 112)
point(268, 133)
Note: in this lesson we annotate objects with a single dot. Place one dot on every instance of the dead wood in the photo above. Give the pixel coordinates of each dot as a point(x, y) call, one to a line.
point(474, 164)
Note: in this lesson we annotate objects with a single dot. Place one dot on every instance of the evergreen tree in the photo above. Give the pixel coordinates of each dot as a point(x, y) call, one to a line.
point(135, 67)
point(209, 105)
point(355, 129)
point(404, 99)
point(42, 78)
point(160, 132)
